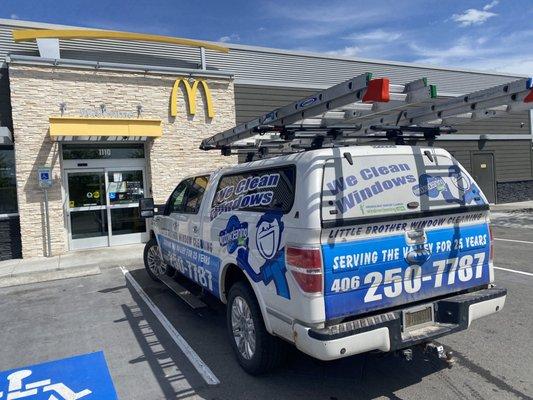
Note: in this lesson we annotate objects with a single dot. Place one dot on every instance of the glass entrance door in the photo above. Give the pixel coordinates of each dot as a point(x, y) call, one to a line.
point(103, 207)
point(87, 209)
point(124, 189)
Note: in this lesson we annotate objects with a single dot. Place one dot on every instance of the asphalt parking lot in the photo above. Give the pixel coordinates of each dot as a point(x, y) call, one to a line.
point(55, 320)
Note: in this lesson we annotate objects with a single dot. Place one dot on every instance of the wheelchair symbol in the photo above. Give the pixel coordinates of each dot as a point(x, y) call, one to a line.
point(16, 390)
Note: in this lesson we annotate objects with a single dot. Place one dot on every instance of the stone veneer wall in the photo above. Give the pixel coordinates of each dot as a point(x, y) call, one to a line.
point(36, 93)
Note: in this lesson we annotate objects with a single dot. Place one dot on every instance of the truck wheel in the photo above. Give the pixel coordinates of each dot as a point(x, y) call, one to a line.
point(257, 351)
point(153, 263)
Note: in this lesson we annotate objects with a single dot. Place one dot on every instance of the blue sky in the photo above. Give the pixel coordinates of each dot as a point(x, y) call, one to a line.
point(483, 35)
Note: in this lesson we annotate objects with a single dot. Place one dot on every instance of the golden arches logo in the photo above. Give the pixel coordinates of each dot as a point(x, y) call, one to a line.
point(191, 90)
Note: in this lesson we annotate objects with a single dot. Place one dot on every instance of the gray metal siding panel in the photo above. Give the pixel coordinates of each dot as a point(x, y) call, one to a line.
point(7, 45)
point(252, 101)
point(512, 158)
point(313, 71)
point(262, 65)
point(516, 123)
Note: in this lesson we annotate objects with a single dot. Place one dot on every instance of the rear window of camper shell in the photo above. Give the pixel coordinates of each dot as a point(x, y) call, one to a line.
point(260, 190)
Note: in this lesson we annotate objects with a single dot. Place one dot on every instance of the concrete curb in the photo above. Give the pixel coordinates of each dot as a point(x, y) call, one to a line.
point(521, 206)
point(17, 277)
point(25, 278)
point(512, 210)
point(69, 265)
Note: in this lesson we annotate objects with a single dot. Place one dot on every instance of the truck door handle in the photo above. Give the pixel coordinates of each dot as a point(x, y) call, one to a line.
point(195, 229)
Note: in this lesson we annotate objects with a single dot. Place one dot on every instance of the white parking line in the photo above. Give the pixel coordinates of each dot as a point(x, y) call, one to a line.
point(514, 270)
point(195, 360)
point(513, 240)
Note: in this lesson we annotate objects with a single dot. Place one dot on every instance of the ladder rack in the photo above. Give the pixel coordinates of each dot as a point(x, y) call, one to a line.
point(366, 108)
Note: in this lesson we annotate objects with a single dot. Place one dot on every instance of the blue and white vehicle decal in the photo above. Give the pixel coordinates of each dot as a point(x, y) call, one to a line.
point(195, 263)
point(267, 244)
point(384, 271)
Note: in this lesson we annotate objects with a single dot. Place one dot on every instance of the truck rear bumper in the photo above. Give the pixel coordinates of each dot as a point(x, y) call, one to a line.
point(384, 332)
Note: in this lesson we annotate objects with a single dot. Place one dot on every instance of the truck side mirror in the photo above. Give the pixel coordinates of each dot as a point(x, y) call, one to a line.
point(146, 207)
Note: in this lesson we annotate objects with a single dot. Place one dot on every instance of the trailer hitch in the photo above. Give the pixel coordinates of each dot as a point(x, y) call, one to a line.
point(437, 351)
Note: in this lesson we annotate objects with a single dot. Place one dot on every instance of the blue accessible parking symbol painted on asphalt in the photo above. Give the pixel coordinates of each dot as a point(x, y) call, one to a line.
point(79, 377)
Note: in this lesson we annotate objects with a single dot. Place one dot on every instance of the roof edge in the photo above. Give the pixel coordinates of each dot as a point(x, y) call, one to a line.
point(44, 25)
point(114, 67)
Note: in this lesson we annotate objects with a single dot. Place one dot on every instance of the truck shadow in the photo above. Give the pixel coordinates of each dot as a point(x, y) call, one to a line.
point(363, 377)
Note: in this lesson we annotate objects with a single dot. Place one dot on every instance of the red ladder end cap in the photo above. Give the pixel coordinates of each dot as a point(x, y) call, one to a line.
point(529, 97)
point(377, 90)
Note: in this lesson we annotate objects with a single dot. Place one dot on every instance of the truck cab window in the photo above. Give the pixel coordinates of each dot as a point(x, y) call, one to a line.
point(195, 194)
point(176, 202)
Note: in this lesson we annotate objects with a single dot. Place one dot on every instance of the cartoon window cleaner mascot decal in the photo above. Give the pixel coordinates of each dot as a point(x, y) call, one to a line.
point(433, 186)
point(269, 231)
point(470, 190)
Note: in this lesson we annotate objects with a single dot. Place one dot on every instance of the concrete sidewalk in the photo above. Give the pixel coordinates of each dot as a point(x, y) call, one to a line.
point(524, 206)
point(69, 265)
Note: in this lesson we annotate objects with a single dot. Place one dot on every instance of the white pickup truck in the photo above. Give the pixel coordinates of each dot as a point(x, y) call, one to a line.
point(337, 251)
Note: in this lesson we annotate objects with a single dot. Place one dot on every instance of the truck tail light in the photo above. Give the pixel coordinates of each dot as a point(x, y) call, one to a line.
point(305, 265)
point(491, 251)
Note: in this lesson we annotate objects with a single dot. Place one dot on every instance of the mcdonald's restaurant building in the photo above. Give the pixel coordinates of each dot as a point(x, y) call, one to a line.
point(117, 116)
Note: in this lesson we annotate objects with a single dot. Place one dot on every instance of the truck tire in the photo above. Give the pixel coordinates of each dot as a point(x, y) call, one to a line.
point(152, 260)
point(257, 351)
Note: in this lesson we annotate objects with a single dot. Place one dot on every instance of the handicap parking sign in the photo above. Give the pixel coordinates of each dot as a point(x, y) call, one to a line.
point(79, 377)
point(45, 177)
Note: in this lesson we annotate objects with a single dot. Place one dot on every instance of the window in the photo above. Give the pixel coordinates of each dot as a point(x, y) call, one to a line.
point(176, 202)
point(195, 194)
point(257, 190)
point(8, 182)
point(102, 151)
point(394, 184)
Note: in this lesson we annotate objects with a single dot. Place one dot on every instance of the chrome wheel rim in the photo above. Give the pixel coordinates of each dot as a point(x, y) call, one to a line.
point(155, 263)
point(243, 327)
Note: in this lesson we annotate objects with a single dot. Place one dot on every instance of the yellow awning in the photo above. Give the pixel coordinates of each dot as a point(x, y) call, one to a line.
point(25, 35)
point(77, 126)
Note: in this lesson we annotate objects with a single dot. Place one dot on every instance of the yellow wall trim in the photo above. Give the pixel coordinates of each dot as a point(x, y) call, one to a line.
point(77, 126)
point(191, 97)
point(26, 35)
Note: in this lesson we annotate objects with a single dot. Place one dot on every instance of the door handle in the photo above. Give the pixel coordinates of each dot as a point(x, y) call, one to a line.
point(195, 230)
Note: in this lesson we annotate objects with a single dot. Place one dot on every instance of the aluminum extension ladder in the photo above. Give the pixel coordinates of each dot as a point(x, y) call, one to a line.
point(366, 108)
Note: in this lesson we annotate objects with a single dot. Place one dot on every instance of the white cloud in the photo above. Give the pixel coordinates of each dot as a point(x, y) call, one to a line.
point(348, 51)
point(375, 35)
point(324, 14)
point(512, 64)
point(465, 48)
point(377, 43)
point(492, 4)
point(481, 54)
point(14, 16)
point(320, 25)
point(473, 16)
point(234, 37)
